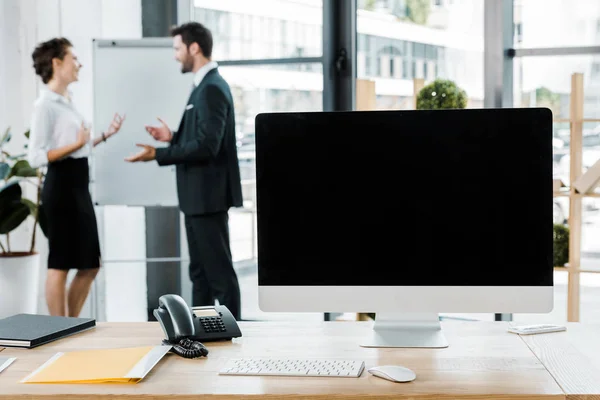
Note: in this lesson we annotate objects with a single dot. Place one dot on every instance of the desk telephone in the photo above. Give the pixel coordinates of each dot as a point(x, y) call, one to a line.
point(186, 327)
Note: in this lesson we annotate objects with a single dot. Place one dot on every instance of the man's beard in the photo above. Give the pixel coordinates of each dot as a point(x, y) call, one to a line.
point(187, 65)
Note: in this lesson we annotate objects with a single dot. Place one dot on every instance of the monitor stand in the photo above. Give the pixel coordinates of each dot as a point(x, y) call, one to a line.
point(406, 330)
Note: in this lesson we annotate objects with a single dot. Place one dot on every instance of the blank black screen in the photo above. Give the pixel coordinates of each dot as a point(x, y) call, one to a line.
point(402, 198)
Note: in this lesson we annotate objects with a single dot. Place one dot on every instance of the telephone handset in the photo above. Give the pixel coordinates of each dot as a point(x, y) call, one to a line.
point(185, 327)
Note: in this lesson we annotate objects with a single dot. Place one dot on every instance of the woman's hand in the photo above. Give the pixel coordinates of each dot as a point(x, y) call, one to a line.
point(83, 135)
point(115, 125)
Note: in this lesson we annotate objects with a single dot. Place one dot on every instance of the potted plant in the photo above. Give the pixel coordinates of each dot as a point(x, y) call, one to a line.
point(561, 245)
point(19, 268)
point(441, 94)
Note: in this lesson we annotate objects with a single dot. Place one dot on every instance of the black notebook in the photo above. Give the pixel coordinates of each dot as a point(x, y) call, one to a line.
point(31, 330)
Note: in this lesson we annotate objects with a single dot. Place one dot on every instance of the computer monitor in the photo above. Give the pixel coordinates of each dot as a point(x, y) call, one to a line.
point(406, 214)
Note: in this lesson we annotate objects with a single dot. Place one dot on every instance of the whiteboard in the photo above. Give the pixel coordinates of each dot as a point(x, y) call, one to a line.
point(141, 79)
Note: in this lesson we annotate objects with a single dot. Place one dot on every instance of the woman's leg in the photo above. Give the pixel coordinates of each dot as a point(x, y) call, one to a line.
point(56, 281)
point(79, 290)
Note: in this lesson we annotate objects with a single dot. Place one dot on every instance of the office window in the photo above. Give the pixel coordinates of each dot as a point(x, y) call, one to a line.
point(420, 54)
point(272, 29)
point(258, 89)
point(595, 73)
point(535, 84)
point(557, 23)
point(269, 29)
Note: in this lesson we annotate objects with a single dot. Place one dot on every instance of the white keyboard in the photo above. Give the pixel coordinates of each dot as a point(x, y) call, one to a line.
point(294, 367)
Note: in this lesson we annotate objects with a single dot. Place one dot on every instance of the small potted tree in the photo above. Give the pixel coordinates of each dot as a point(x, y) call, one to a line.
point(19, 268)
point(441, 94)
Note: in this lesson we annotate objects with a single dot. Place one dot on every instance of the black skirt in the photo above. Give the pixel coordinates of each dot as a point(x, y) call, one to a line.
point(71, 225)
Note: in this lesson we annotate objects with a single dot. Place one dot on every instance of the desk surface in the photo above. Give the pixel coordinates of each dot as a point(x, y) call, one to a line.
point(483, 361)
point(573, 359)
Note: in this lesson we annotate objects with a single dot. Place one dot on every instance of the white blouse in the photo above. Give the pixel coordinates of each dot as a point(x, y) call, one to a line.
point(54, 124)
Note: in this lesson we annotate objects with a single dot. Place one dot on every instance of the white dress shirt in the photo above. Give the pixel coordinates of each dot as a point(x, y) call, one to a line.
point(54, 124)
point(201, 73)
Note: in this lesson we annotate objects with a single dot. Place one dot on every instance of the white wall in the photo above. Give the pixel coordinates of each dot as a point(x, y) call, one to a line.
point(23, 24)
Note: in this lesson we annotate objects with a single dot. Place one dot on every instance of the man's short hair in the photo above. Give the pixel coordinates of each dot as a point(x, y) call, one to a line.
point(195, 32)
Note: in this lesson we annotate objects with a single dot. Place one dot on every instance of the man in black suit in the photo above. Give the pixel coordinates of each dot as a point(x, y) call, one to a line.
point(208, 175)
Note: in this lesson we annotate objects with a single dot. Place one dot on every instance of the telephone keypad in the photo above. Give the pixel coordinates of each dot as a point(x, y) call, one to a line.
point(213, 324)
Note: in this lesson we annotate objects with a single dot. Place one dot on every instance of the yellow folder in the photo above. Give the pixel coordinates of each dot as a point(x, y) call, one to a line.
point(126, 365)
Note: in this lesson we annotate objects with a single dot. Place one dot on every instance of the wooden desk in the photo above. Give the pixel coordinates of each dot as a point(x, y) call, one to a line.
point(573, 359)
point(483, 361)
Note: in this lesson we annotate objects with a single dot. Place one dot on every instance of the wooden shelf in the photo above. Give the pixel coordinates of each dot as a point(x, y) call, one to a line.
point(589, 271)
point(567, 120)
point(567, 194)
point(575, 271)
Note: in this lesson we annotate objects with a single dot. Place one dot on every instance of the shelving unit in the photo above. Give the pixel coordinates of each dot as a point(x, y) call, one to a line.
point(576, 120)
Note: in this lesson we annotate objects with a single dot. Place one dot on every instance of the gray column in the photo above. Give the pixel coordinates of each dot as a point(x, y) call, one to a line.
point(158, 16)
point(339, 55)
point(162, 241)
point(498, 63)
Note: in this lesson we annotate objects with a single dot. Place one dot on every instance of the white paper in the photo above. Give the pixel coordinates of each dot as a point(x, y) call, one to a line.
point(5, 362)
point(141, 369)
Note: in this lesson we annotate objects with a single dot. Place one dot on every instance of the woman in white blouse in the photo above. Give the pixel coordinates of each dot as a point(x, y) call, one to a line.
point(60, 139)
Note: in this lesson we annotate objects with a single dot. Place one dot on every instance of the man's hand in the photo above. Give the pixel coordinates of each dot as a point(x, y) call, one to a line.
point(147, 154)
point(161, 133)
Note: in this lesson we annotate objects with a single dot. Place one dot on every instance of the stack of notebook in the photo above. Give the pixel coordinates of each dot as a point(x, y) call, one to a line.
point(31, 330)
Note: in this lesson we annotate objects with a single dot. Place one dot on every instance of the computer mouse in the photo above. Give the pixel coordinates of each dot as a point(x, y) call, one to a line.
point(394, 373)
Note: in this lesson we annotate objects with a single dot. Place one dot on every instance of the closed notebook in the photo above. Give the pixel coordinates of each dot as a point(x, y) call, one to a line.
point(126, 365)
point(31, 330)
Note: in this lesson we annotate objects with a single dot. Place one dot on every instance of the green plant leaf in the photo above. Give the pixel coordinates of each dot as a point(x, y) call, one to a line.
point(12, 216)
point(9, 194)
point(31, 205)
point(22, 169)
point(561, 245)
point(27, 132)
point(17, 157)
point(5, 137)
point(4, 170)
point(418, 11)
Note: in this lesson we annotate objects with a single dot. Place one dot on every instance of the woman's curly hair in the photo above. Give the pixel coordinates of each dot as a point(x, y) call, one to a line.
point(45, 52)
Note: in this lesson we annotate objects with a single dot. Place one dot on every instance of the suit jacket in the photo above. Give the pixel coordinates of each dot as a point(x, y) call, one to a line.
point(204, 150)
